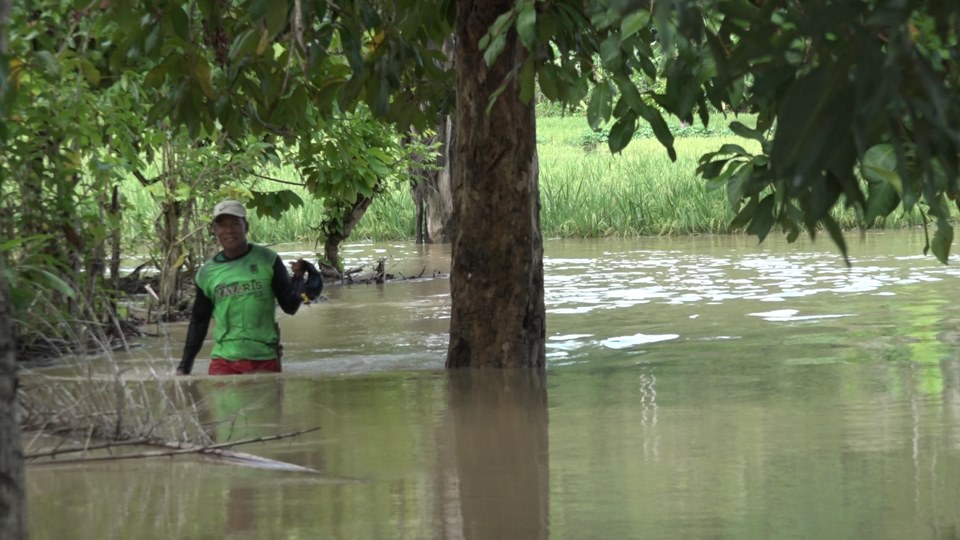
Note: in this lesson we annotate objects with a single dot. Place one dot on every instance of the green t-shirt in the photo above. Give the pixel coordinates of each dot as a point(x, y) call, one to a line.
point(244, 313)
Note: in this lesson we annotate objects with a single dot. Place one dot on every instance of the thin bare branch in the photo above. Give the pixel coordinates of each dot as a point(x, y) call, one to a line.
point(220, 451)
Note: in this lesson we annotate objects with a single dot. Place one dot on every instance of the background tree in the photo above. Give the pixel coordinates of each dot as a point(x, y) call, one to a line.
point(13, 504)
point(496, 279)
point(854, 100)
point(433, 187)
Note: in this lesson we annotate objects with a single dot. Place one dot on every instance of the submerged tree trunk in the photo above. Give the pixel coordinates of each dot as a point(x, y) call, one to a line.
point(12, 494)
point(496, 281)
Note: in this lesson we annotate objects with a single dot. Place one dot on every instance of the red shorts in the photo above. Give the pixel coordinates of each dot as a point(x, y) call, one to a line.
point(219, 366)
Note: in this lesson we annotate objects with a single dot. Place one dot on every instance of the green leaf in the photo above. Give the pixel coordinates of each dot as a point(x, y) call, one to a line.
point(180, 22)
point(942, 240)
point(610, 53)
point(493, 51)
point(527, 25)
point(156, 76)
point(737, 185)
point(528, 80)
point(153, 38)
point(813, 122)
point(882, 199)
point(202, 73)
point(879, 165)
point(763, 218)
point(244, 44)
point(633, 22)
point(837, 235)
point(660, 128)
point(276, 17)
point(712, 170)
point(621, 132)
point(57, 284)
point(258, 8)
point(548, 83)
point(734, 149)
point(744, 216)
point(630, 94)
point(500, 25)
point(598, 110)
point(48, 62)
point(741, 130)
point(90, 73)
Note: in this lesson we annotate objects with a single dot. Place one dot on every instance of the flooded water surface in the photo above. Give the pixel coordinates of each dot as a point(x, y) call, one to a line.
point(701, 387)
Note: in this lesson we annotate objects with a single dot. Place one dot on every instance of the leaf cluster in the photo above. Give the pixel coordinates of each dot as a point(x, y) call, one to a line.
point(856, 102)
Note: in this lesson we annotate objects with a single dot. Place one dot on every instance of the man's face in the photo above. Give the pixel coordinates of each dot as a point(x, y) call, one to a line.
point(231, 232)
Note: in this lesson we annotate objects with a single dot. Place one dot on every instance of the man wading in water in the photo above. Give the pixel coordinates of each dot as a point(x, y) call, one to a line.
point(237, 287)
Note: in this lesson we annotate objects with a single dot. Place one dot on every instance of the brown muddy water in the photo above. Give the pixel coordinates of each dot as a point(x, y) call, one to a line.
point(698, 387)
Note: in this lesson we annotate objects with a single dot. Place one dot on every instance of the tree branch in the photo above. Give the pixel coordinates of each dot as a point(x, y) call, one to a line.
point(174, 449)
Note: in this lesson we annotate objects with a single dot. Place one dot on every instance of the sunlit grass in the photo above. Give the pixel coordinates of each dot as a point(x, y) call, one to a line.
point(589, 193)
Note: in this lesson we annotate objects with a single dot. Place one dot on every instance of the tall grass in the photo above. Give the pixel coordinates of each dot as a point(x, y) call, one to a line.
point(585, 191)
point(589, 193)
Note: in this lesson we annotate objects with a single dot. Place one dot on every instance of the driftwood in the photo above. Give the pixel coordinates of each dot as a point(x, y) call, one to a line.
point(220, 452)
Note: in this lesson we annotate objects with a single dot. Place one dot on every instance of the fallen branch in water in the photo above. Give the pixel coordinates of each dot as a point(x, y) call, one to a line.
point(88, 448)
point(220, 451)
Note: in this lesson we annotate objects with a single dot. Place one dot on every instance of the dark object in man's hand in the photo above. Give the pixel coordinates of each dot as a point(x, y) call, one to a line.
point(314, 279)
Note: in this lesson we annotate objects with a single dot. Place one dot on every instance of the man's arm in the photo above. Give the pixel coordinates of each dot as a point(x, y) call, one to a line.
point(287, 290)
point(196, 332)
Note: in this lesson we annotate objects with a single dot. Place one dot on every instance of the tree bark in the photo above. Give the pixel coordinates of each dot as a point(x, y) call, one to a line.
point(331, 246)
point(496, 281)
point(433, 193)
point(438, 203)
point(13, 523)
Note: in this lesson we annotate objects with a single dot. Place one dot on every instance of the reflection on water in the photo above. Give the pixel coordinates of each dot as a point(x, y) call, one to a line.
point(696, 387)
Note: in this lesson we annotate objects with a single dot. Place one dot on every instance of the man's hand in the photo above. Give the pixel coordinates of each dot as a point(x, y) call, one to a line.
point(298, 267)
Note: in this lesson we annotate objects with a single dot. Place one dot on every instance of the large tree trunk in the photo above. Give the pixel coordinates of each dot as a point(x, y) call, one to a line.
point(12, 498)
point(496, 281)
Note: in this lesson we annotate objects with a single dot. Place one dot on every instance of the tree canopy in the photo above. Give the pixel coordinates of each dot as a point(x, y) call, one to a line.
point(856, 101)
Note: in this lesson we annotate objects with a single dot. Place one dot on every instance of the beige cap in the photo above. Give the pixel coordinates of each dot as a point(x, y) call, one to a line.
point(229, 207)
